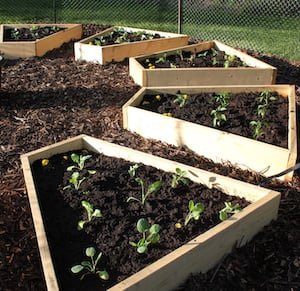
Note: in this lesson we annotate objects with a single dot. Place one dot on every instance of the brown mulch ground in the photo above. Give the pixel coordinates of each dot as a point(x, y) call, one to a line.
point(48, 99)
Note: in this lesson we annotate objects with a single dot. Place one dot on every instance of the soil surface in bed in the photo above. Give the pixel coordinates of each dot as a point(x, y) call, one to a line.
point(48, 99)
point(242, 109)
point(108, 190)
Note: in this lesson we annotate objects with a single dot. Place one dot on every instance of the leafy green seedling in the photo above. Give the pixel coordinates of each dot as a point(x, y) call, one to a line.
point(154, 187)
point(179, 177)
point(257, 128)
point(265, 97)
point(181, 99)
point(261, 110)
point(90, 266)
point(229, 60)
point(229, 209)
point(222, 98)
point(75, 181)
point(219, 115)
point(79, 160)
point(161, 59)
point(150, 235)
point(91, 213)
point(195, 211)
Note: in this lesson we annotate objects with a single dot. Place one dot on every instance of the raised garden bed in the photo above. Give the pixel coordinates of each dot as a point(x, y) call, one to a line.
point(202, 64)
point(30, 40)
point(221, 142)
point(48, 165)
point(102, 49)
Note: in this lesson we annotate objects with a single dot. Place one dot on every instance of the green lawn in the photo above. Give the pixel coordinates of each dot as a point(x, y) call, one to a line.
point(274, 35)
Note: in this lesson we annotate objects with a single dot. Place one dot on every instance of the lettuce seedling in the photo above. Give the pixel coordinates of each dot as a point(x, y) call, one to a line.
point(90, 266)
point(181, 99)
point(150, 235)
point(222, 98)
point(218, 115)
point(91, 213)
point(265, 97)
point(154, 187)
point(75, 181)
point(79, 160)
point(229, 209)
point(195, 211)
point(257, 128)
point(179, 177)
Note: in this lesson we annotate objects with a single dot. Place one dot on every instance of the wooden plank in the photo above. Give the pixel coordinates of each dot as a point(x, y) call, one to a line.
point(259, 73)
point(219, 146)
point(25, 49)
point(200, 254)
point(118, 52)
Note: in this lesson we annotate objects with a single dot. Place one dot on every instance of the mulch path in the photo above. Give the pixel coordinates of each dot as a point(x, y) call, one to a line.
point(48, 99)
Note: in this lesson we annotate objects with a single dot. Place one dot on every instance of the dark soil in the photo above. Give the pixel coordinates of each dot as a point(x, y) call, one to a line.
point(119, 36)
point(186, 59)
point(108, 191)
point(29, 34)
point(48, 99)
point(241, 110)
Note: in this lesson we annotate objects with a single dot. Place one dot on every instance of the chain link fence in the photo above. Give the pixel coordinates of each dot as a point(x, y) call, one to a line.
point(265, 25)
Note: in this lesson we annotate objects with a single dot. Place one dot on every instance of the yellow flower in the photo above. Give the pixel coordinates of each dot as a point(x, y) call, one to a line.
point(185, 96)
point(178, 225)
point(152, 67)
point(169, 114)
point(65, 157)
point(157, 97)
point(45, 162)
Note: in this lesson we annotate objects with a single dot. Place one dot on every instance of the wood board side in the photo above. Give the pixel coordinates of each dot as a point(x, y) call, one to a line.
point(50, 42)
point(205, 251)
point(137, 72)
point(207, 76)
point(49, 273)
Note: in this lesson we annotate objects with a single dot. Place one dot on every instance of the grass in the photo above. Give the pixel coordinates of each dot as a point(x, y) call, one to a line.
point(274, 35)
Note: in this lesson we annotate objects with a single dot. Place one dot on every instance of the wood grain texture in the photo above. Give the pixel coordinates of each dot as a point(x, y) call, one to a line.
point(118, 52)
point(213, 143)
point(27, 49)
point(200, 254)
point(259, 73)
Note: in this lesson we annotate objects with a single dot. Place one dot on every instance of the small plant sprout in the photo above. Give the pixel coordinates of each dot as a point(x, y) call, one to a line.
point(195, 211)
point(265, 97)
point(181, 99)
point(261, 110)
point(219, 115)
point(222, 98)
point(150, 235)
point(79, 160)
point(90, 267)
point(228, 61)
point(257, 128)
point(91, 213)
point(74, 181)
point(179, 177)
point(229, 209)
point(154, 187)
point(161, 59)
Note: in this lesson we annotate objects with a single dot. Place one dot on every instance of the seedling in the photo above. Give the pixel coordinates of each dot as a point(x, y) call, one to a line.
point(265, 97)
point(79, 160)
point(179, 177)
point(261, 110)
point(91, 213)
point(90, 266)
point(257, 128)
point(154, 187)
point(229, 209)
point(161, 59)
point(229, 60)
point(150, 235)
point(75, 181)
point(219, 116)
point(195, 211)
point(222, 98)
point(181, 99)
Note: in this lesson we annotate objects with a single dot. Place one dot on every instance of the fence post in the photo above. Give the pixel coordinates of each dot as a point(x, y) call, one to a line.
point(54, 11)
point(180, 12)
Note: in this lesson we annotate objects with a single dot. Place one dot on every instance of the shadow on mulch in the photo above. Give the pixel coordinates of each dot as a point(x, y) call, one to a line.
point(45, 100)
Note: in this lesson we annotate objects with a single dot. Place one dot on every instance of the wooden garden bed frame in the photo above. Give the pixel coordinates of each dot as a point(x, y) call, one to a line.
point(198, 255)
point(259, 73)
point(26, 49)
point(118, 52)
point(213, 143)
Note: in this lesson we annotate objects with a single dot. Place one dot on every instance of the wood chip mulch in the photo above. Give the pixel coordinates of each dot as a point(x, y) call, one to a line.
point(48, 99)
